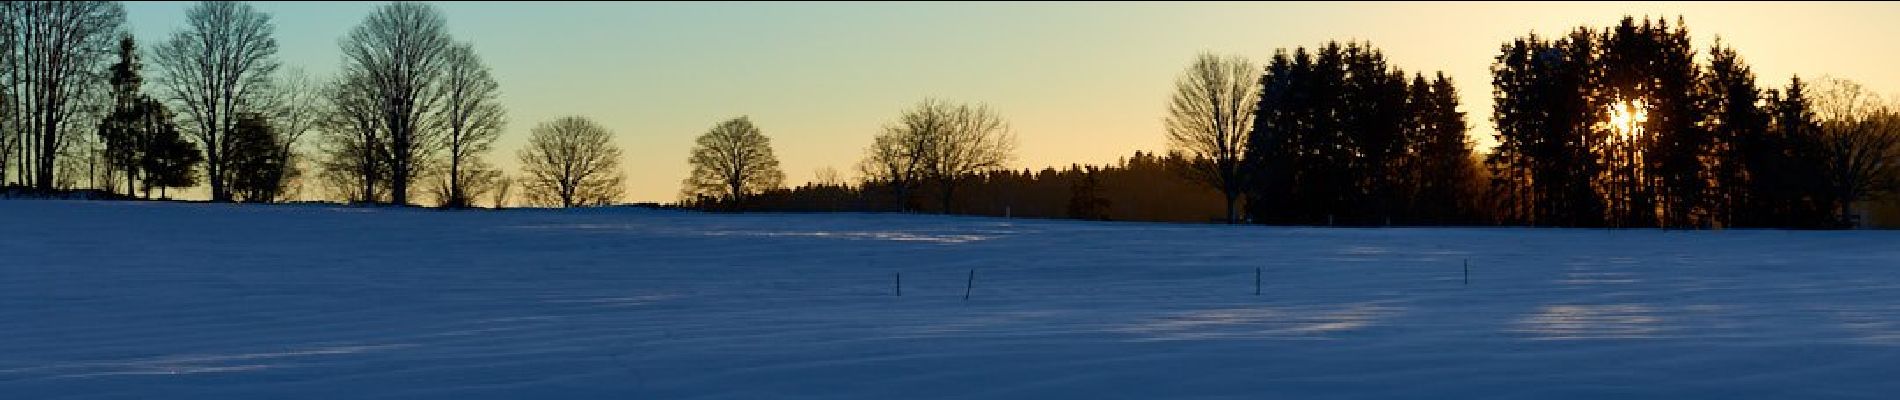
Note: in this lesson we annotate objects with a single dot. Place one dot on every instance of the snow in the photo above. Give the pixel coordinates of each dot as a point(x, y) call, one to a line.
point(138, 300)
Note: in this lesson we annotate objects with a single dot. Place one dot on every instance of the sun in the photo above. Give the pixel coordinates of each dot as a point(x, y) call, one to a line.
point(1627, 118)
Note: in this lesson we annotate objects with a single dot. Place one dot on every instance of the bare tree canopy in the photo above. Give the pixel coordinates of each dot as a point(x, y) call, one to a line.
point(499, 189)
point(894, 160)
point(731, 161)
point(977, 141)
point(473, 119)
point(218, 66)
point(570, 162)
point(1208, 117)
point(478, 180)
point(828, 176)
point(402, 50)
point(54, 60)
point(942, 143)
point(1860, 140)
point(296, 109)
point(351, 141)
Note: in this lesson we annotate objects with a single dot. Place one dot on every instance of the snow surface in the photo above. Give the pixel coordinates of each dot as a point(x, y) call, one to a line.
point(133, 300)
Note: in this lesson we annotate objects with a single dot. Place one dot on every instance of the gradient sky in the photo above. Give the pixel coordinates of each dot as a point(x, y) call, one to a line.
point(1079, 82)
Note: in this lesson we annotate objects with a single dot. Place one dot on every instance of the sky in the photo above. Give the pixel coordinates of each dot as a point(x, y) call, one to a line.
point(1080, 83)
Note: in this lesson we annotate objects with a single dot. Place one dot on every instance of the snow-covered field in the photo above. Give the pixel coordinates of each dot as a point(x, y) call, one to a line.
point(128, 300)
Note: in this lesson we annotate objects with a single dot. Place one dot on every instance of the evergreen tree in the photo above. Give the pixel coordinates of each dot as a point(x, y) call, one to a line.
point(169, 159)
point(1741, 147)
point(119, 131)
point(257, 170)
point(1441, 155)
point(1544, 161)
point(1085, 197)
point(1339, 137)
point(1788, 183)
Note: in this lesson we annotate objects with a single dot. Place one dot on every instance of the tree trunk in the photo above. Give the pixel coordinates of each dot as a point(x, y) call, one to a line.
point(44, 178)
point(949, 193)
point(399, 186)
point(215, 174)
point(738, 193)
point(455, 171)
point(1230, 208)
point(903, 196)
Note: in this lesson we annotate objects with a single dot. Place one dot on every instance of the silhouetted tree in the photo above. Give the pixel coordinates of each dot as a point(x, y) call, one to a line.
point(896, 158)
point(1208, 117)
point(473, 118)
point(120, 131)
point(1741, 146)
point(570, 162)
point(827, 176)
point(1651, 68)
point(1860, 141)
point(1340, 137)
point(479, 178)
point(500, 188)
point(217, 67)
point(1085, 197)
point(732, 161)
point(402, 49)
point(298, 106)
point(1439, 157)
point(57, 56)
point(938, 142)
point(141, 142)
point(1789, 181)
point(11, 136)
point(352, 143)
point(976, 140)
point(257, 170)
point(169, 160)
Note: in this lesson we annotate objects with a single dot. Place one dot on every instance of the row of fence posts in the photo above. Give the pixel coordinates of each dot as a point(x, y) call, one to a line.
point(970, 283)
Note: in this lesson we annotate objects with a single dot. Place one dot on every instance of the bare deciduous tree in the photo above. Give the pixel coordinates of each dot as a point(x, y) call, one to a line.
point(10, 76)
point(1208, 117)
point(351, 141)
point(297, 107)
point(472, 118)
point(731, 161)
point(219, 66)
point(500, 190)
point(894, 159)
point(571, 162)
point(976, 141)
point(938, 142)
point(56, 56)
point(1860, 139)
point(402, 51)
point(827, 176)
point(478, 180)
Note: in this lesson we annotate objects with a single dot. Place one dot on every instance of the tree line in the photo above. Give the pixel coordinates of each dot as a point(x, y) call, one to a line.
point(1141, 187)
point(1622, 126)
point(413, 111)
point(1612, 127)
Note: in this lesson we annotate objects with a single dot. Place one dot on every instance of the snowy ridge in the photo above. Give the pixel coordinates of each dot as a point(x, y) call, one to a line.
point(138, 300)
